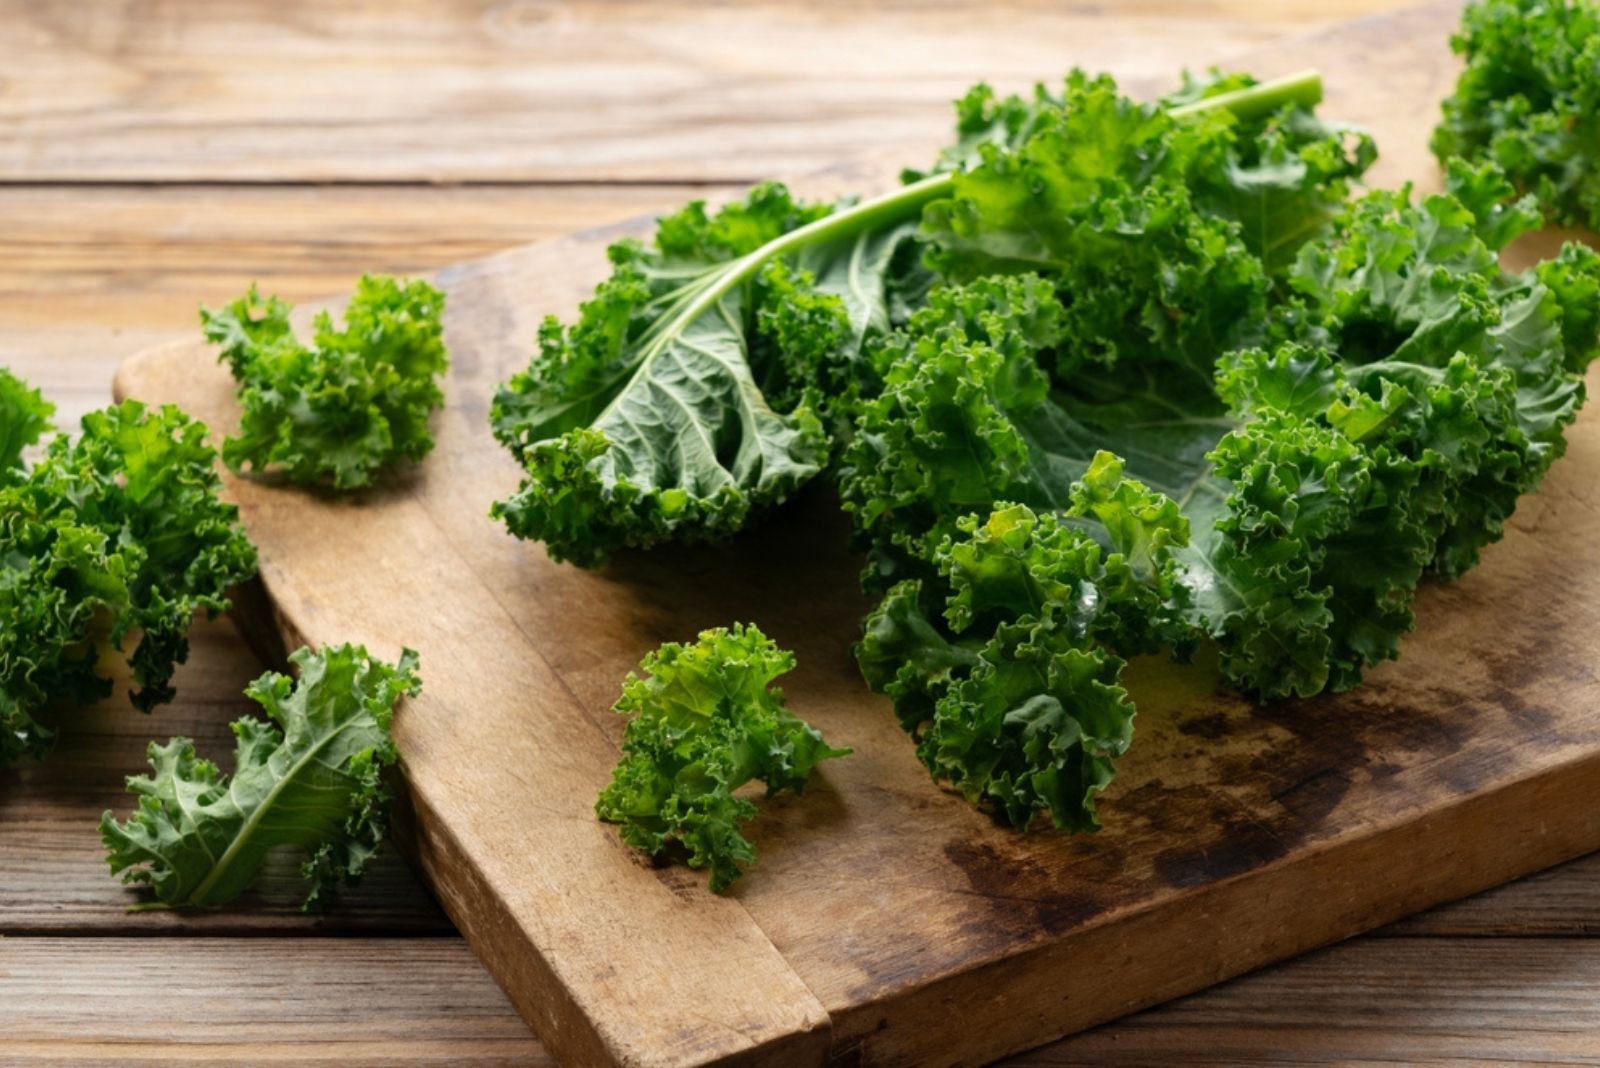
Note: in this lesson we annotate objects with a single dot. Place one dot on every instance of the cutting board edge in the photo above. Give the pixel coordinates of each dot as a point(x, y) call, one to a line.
point(509, 952)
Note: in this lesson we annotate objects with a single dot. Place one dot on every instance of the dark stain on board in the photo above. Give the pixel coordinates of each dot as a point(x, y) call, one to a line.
point(1212, 726)
point(1018, 882)
point(1263, 781)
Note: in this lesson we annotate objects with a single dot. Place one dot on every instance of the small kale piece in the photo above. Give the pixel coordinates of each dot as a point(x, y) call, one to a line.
point(117, 533)
point(308, 780)
point(356, 400)
point(706, 720)
point(1529, 99)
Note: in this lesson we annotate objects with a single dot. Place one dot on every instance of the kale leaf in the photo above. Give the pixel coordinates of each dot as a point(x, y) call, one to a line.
point(707, 720)
point(1392, 397)
point(711, 375)
point(1006, 668)
point(309, 780)
point(24, 418)
point(1529, 99)
point(116, 533)
point(356, 400)
point(696, 385)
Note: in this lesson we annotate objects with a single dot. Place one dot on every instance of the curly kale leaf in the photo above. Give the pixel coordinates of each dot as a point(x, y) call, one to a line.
point(1420, 393)
point(706, 720)
point(354, 401)
point(1012, 690)
point(1408, 290)
point(1270, 164)
point(984, 118)
point(119, 532)
point(696, 384)
point(1251, 154)
point(1285, 173)
point(1529, 100)
point(1097, 199)
point(309, 780)
point(1161, 228)
point(24, 418)
point(1410, 393)
point(942, 436)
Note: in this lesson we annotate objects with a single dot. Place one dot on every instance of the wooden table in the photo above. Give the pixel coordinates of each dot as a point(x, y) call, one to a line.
point(156, 155)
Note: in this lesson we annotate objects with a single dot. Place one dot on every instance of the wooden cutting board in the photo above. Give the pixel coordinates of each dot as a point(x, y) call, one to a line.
point(888, 922)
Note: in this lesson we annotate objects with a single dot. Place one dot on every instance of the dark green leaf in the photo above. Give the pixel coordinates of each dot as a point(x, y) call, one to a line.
point(706, 720)
point(1528, 100)
point(117, 533)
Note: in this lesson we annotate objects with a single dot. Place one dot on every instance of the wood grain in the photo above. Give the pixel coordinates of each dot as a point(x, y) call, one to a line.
point(90, 275)
point(334, 1003)
point(1399, 1001)
point(262, 90)
point(1242, 833)
point(138, 256)
point(1563, 901)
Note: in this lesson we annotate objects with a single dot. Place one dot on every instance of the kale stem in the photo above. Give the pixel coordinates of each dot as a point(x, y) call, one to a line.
point(1303, 88)
point(866, 217)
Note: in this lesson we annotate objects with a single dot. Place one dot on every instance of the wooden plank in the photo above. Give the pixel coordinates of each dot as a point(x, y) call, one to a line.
point(926, 933)
point(297, 90)
point(91, 275)
point(337, 1002)
point(137, 256)
point(1563, 901)
point(56, 875)
point(1400, 1001)
point(358, 1002)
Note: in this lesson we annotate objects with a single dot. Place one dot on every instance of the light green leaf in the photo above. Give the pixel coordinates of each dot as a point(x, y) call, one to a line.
point(309, 780)
point(355, 401)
